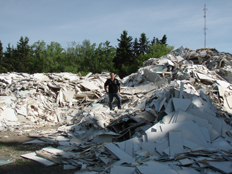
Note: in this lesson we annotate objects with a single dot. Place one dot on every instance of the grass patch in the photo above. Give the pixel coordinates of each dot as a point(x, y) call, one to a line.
point(12, 147)
point(1, 145)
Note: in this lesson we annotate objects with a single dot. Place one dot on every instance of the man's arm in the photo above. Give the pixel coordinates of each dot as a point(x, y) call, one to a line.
point(105, 85)
point(119, 89)
point(106, 90)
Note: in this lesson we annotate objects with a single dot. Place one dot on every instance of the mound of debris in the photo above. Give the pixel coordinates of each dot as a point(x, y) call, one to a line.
point(175, 118)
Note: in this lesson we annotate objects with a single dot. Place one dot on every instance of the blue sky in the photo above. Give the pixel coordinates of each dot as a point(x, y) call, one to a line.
point(100, 20)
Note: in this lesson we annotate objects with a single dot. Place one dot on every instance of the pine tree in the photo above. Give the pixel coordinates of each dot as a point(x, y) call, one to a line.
point(136, 48)
point(164, 40)
point(143, 43)
point(1, 51)
point(22, 56)
point(157, 41)
point(8, 59)
point(153, 42)
point(3, 67)
point(124, 53)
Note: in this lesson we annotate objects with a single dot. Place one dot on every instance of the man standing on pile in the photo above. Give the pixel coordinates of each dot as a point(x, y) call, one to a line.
point(114, 90)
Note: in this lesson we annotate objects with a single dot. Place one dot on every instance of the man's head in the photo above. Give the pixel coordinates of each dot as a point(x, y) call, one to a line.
point(112, 75)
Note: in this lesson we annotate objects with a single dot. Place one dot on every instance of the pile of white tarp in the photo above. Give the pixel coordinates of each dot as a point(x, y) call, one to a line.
point(40, 99)
point(175, 118)
point(190, 138)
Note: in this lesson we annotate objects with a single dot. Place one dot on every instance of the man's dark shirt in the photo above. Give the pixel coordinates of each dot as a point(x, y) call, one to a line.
point(113, 85)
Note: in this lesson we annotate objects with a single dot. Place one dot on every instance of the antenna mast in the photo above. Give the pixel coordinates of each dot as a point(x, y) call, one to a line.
point(205, 25)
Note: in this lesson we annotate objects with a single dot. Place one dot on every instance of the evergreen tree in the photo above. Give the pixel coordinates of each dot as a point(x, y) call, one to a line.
point(157, 41)
point(3, 67)
point(153, 42)
point(124, 53)
point(164, 40)
point(143, 43)
point(22, 56)
point(8, 59)
point(136, 48)
point(1, 51)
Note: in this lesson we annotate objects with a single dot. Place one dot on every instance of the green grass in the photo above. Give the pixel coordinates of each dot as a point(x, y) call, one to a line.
point(23, 165)
point(1, 145)
point(12, 147)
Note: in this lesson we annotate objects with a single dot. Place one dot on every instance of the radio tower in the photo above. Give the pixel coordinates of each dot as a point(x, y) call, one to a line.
point(205, 25)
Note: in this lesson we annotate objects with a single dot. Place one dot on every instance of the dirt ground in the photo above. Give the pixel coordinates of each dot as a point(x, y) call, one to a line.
point(11, 146)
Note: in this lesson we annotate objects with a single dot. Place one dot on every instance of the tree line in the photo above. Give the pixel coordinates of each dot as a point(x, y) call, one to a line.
point(40, 57)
